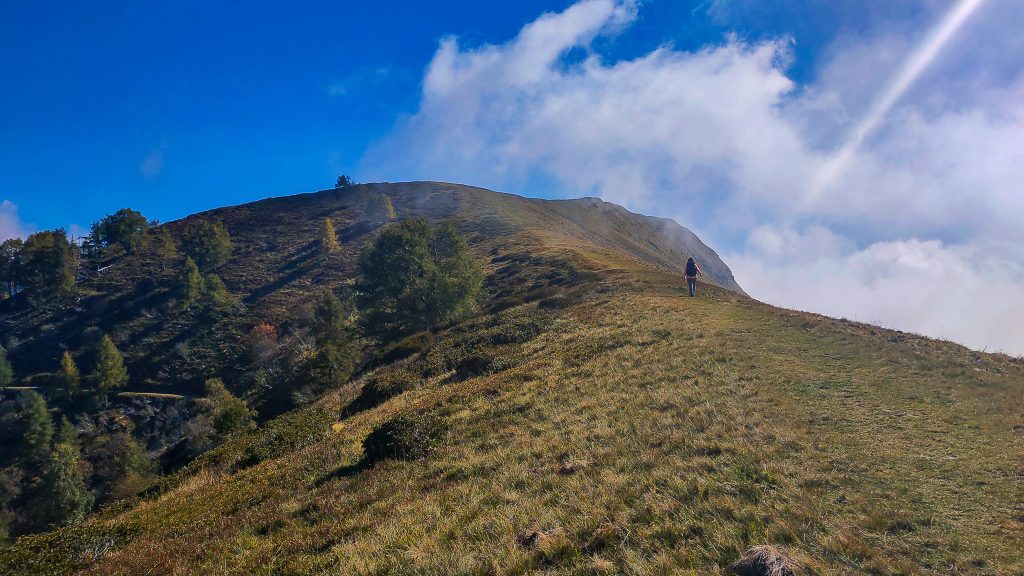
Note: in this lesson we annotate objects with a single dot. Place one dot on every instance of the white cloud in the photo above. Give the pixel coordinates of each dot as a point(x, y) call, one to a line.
point(153, 163)
point(11, 225)
point(970, 294)
point(724, 141)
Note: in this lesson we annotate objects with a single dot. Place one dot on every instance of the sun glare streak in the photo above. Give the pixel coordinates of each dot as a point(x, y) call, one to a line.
point(909, 71)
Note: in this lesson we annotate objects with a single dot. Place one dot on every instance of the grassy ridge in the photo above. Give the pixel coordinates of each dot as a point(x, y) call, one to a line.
point(641, 432)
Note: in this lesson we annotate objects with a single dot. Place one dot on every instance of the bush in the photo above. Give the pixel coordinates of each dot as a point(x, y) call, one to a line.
point(405, 437)
point(404, 348)
point(476, 364)
point(383, 386)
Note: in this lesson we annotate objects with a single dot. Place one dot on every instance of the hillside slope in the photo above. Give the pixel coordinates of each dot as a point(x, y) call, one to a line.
point(275, 271)
point(619, 426)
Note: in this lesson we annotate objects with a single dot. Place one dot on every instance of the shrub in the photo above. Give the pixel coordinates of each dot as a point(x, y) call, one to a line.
point(221, 416)
point(262, 340)
point(383, 386)
point(405, 437)
point(344, 181)
point(475, 364)
point(404, 348)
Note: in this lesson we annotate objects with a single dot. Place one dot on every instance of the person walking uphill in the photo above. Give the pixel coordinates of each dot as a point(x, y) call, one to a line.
point(692, 271)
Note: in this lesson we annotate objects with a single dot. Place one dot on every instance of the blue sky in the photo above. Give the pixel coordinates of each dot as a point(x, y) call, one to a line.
point(845, 156)
point(177, 107)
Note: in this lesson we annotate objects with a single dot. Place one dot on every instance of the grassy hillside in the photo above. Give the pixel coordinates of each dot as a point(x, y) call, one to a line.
point(276, 270)
point(605, 423)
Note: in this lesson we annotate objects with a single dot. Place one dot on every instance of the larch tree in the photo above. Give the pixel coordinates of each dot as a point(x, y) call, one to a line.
point(328, 237)
point(190, 287)
point(110, 372)
point(68, 376)
point(66, 498)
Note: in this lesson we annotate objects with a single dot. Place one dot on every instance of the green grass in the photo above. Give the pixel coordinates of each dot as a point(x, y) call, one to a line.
point(597, 421)
point(644, 432)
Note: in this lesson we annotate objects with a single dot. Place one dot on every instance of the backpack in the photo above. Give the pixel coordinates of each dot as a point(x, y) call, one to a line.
point(691, 268)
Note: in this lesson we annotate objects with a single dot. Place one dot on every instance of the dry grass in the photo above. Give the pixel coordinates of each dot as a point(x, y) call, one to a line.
point(644, 433)
point(640, 432)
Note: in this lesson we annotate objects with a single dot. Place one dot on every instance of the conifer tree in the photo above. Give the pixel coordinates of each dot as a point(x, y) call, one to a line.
point(110, 371)
point(48, 262)
point(328, 237)
point(37, 429)
point(66, 499)
point(68, 376)
point(166, 247)
point(191, 283)
point(126, 227)
point(6, 370)
point(208, 243)
point(415, 276)
point(216, 297)
point(10, 264)
point(335, 337)
point(66, 433)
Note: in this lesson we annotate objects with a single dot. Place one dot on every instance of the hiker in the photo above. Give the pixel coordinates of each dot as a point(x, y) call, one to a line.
point(692, 271)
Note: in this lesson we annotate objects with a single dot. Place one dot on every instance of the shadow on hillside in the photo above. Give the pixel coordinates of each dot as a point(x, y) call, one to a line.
point(346, 471)
point(304, 261)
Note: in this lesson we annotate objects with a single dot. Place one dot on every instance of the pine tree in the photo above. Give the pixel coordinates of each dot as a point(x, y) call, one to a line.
point(68, 375)
point(66, 433)
point(66, 498)
point(6, 371)
point(110, 372)
point(48, 262)
point(216, 297)
point(328, 237)
point(335, 337)
point(10, 264)
point(37, 429)
point(126, 227)
point(208, 243)
point(166, 247)
point(415, 276)
point(191, 284)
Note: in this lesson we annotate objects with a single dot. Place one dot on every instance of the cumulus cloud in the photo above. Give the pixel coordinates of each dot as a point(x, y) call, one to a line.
point(11, 225)
point(723, 140)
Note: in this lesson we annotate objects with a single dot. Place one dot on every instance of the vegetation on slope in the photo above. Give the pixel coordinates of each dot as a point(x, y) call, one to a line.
point(591, 419)
point(636, 431)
